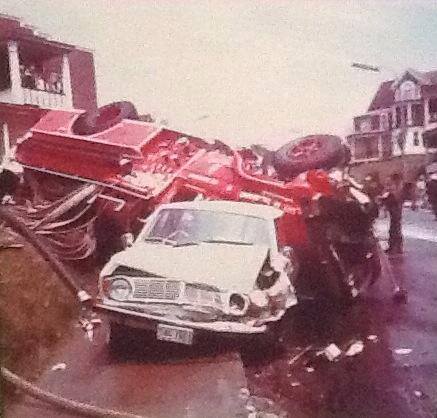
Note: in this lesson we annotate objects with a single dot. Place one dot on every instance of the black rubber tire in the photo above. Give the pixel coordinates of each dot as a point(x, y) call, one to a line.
point(329, 152)
point(118, 338)
point(9, 183)
point(104, 118)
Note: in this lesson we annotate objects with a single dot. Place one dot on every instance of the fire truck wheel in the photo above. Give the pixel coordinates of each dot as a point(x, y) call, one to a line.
point(104, 118)
point(9, 182)
point(309, 153)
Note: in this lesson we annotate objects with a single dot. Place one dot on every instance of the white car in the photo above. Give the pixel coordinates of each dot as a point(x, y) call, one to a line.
point(200, 266)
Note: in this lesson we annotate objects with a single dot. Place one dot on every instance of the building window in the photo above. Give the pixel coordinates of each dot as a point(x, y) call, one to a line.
point(375, 122)
point(390, 120)
point(417, 114)
point(386, 146)
point(433, 109)
point(416, 140)
point(366, 148)
point(5, 78)
point(409, 91)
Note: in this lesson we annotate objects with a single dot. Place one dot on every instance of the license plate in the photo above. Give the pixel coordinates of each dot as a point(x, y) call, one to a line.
point(174, 334)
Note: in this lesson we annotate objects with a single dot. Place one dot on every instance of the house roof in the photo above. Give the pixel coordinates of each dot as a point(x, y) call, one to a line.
point(384, 96)
point(12, 28)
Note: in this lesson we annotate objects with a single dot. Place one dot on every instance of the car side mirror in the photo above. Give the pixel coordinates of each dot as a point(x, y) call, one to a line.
point(127, 240)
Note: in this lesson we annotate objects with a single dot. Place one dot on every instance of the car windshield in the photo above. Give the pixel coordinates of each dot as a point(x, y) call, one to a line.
point(189, 226)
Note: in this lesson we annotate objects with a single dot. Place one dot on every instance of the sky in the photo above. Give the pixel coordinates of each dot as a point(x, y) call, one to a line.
point(243, 71)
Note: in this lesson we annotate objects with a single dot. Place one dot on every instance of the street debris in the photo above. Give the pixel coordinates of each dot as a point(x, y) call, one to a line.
point(295, 384)
point(59, 366)
point(419, 394)
point(244, 393)
point(6, 246)
point(403, 351)
point(297, 357)
point(373, 338)
point(332, 352)
point(356, 348)
point(309, 369)
point(88, 326)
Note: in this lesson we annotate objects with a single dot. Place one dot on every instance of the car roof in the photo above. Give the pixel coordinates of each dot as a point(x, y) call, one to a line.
point(240, 208)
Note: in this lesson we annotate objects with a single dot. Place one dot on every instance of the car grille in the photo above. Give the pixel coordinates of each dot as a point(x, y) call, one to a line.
point(156, 289)
point(200, 296)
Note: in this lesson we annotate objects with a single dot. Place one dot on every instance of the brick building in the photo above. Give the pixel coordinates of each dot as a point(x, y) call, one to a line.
point(38, 74)
point(398, 133)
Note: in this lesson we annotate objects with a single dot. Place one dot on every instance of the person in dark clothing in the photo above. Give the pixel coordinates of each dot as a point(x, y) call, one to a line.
point(431, 191)
point(394, 200)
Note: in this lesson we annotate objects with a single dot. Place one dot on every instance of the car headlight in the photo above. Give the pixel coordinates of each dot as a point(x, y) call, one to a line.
point(119, 289)
point(238, 304)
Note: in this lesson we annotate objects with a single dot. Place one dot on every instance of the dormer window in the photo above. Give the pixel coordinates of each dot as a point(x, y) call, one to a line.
point(408, 90)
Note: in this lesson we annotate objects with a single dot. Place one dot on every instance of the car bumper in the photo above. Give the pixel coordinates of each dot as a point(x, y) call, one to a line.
point(149, 322)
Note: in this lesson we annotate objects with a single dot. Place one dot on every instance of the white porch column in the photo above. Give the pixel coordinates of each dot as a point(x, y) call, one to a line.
point(6, 146)
point(14, 71)
point(66, 82)
point(379, 147)
point(426, 112)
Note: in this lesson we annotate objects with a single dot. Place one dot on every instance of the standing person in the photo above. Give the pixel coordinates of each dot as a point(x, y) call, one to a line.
point(393, 200)
point(431, 190)
point(421, 191)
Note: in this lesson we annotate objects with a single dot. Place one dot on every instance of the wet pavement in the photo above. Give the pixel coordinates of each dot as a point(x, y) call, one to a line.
point(221, 380)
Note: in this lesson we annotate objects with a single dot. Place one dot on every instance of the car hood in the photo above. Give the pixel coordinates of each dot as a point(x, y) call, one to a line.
point(226, 266)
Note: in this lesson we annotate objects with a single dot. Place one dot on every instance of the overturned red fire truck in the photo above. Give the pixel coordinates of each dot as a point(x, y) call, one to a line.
point(88, 179)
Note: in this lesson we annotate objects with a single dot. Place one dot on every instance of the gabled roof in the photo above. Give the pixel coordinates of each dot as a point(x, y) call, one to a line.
point(12, 28)
point(384, 96)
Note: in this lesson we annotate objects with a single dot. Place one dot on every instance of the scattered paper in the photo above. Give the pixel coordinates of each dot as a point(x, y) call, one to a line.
point(332, 352)
point(309, 369)
point(295, 384)
point(403, 351)
point(355, 348)
point(373, 338)
point(418, 394)
point(59, 366)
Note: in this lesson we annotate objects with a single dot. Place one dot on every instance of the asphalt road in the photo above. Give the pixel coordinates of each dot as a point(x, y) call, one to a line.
point(219, 380)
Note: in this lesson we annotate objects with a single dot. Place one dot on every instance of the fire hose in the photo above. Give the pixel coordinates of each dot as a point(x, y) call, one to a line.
point(83, 297)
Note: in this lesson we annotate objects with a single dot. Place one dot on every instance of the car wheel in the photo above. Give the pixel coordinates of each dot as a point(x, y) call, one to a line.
point(104, 118)
point(309, 153)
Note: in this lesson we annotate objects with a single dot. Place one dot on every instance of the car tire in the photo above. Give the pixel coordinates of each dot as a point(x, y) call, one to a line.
point(104, 118)
point(118, 338)
point(262, 348)
point(309, 153)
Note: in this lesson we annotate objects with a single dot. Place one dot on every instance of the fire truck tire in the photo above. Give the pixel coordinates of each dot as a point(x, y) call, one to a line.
point(9, 182)
point(108, 234)
point(104, 118)
point(309, 153)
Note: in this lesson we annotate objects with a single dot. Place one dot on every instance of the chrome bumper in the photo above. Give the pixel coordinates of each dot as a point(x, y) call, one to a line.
point(147, 321)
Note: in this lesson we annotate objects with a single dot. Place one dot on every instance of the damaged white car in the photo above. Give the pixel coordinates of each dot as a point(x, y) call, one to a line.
point(200, 266)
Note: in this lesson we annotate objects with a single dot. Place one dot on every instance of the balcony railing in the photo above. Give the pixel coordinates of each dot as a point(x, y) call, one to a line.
point(44, 98)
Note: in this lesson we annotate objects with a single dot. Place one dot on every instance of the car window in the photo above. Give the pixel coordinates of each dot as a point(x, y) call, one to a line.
point(188, 225)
